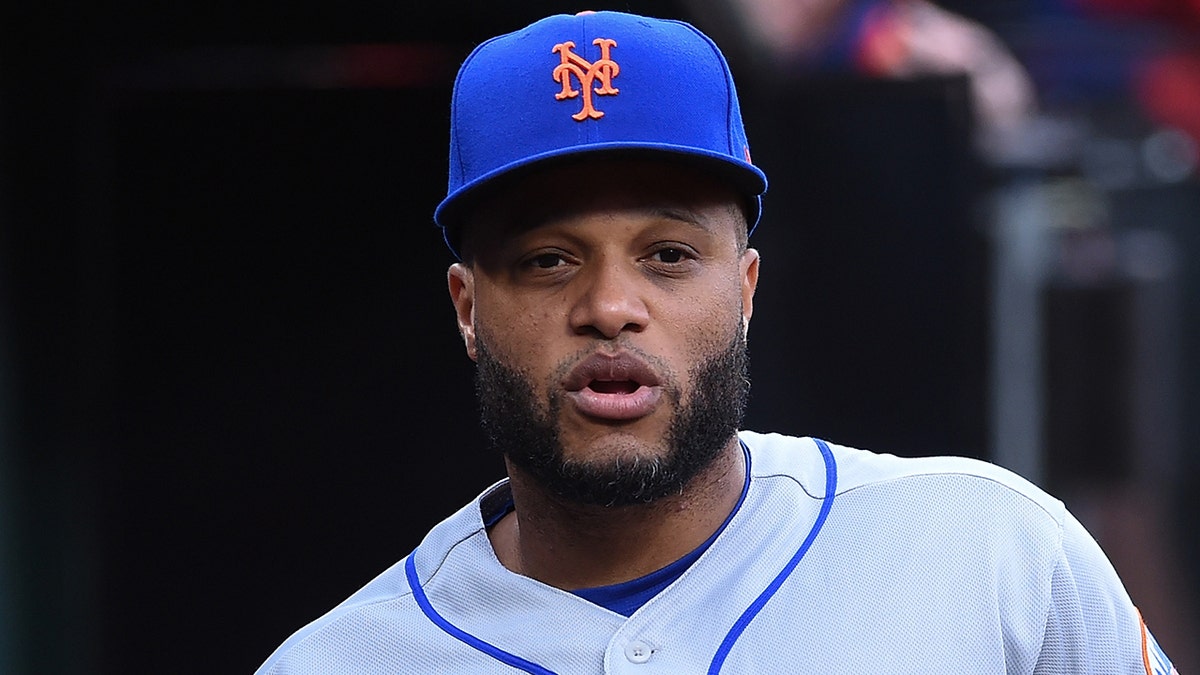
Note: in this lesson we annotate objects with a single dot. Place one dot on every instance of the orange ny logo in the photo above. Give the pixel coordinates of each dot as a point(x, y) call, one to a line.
point(603, 69)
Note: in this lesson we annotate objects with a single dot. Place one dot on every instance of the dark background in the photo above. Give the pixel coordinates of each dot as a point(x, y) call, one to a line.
point(233, 390)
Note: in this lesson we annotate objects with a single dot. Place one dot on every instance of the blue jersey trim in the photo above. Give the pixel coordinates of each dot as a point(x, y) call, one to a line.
point(410, 571)
point(414, 583)
point(752, 611)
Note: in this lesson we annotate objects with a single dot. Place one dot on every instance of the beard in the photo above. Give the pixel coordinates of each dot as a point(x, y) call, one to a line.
point(527, 433)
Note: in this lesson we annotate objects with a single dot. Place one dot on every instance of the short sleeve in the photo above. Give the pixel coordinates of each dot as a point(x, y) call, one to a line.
point(1092, 625)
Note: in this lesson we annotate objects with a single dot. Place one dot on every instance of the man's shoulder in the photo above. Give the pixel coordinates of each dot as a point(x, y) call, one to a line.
point(854, 469)
point(376, 613)
point(344, 625)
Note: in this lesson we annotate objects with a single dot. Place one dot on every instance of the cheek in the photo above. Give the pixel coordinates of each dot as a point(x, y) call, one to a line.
point(706, 317)
point(517, 330)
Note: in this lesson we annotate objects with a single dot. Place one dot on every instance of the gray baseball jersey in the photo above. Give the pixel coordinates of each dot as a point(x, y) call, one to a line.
point(837, 560)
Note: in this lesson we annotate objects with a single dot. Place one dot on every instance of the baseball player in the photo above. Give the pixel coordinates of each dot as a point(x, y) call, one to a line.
point(600, 201)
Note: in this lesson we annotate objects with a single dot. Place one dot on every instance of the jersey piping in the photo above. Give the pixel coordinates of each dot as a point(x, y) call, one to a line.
point(735, 632)
point(410, 572)
point(755, 607)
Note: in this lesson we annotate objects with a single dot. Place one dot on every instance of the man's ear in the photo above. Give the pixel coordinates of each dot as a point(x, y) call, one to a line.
point(461, 281)
point(749, 275)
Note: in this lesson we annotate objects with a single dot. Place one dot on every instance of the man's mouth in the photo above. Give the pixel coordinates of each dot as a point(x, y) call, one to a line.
point(613, 387)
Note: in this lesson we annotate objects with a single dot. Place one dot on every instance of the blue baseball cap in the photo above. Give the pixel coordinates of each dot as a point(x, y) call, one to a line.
point(572, 86)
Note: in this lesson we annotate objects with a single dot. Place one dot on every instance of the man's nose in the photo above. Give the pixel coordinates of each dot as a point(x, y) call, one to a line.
point(611, 300)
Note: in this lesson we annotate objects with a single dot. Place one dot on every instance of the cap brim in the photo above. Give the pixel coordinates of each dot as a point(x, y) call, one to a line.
point(747, 179)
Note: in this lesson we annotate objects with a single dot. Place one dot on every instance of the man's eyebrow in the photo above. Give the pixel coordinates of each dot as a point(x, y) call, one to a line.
point(682, 215)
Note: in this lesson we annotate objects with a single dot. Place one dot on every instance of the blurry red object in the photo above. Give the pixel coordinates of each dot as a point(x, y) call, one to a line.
point(1168, 88)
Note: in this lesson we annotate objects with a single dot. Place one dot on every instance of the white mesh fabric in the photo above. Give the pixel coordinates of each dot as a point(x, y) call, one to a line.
point(913, 575)
point(923, 565)
point(1090, 626)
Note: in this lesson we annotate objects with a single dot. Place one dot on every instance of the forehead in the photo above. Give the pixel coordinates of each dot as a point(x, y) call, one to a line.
point(562, 192)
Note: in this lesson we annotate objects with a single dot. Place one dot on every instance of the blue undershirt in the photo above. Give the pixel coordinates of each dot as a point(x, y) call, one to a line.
point(627, 597)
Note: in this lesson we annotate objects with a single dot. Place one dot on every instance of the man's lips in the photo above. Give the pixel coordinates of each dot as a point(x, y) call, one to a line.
point(620, 367)
point(613, 387)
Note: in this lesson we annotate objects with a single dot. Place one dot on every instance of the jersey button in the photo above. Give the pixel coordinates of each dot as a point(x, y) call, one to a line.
point(638, 652)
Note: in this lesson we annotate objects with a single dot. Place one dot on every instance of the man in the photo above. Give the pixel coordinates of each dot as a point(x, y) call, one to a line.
point(601, 197)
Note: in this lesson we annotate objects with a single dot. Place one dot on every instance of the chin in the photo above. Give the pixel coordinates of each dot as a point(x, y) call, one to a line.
point(615, 442)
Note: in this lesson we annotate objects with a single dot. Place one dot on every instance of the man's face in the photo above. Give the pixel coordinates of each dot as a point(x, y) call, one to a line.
point(605, 305)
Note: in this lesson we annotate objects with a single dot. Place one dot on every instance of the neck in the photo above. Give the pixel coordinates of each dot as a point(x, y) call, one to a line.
point(572, 546)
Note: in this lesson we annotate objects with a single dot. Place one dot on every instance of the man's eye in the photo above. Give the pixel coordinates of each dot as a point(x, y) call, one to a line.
point(669, 255)
point(545, 261)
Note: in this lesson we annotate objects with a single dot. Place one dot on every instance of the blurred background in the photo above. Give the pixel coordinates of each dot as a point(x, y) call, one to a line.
point(231, 388)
